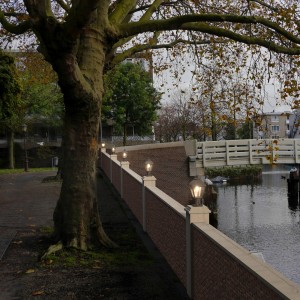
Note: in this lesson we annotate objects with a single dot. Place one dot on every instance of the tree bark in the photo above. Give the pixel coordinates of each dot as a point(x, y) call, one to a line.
point(11, 151)
point(125, 134)
point(76, 216)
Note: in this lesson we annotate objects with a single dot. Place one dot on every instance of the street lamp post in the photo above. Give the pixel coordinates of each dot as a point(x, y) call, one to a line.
point(24, 128)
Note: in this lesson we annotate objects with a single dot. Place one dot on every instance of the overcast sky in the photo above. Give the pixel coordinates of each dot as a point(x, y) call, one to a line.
point(184, 83)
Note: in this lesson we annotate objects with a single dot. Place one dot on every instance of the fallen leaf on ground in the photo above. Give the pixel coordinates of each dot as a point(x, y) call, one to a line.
point(17, 242)
point(29, 271)
point(37, 293)
point(48, 261)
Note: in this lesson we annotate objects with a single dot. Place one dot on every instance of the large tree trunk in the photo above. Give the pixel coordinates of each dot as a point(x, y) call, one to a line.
point(76, 217)
point(11, 152)
point(125, 134)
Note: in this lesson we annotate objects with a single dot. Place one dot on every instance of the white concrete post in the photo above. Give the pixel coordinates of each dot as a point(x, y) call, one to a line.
point(113, 157)
point(148, 181)
point(124, 165)
point(194, 214)
point(227, 152)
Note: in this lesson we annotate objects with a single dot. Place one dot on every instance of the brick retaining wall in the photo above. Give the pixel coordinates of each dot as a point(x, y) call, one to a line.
point(208, 263)
point(166, 227)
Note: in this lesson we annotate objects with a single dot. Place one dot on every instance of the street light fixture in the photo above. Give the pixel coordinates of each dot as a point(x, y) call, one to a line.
point(197, 187)
point(24, 129)
point(148, 166)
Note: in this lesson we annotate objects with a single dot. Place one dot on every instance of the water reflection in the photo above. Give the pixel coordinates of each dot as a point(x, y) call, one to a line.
point(257, 216)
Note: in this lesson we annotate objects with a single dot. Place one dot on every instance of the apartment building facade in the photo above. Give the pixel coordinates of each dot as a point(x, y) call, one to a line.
point(273, 125)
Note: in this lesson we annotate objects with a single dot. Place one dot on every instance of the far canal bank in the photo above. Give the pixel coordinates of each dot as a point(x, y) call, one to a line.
point(256, 215)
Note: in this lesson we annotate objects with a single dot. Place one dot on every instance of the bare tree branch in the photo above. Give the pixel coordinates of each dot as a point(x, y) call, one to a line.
point(183, 21)
point(15, 28)
point(39, 8)
point(121, 11)
point(79, 16)
point(202, 27)
point(147, 15)
point(262, 3)
point(189, 22)
point(64, 5)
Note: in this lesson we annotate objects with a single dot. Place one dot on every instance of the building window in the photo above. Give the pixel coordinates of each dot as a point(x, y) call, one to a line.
point(275, 137)
point(274, 119)
point(275, 128)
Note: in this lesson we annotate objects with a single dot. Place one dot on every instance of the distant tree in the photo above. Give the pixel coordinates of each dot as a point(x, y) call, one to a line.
point(130, 99)
point(230, 130)
point(246, 130)
point(40, 92)
point(12, 107)
point(44, 103)
point(167, 127)
point(28, 93)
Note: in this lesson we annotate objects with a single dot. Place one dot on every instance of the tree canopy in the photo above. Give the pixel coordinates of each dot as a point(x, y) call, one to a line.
point(130, 99)
point(12, 106)
point(83, 39)
point(40, 93)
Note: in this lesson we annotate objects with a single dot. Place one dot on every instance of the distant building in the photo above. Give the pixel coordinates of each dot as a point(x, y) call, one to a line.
point(273, 125)
point(295, 124)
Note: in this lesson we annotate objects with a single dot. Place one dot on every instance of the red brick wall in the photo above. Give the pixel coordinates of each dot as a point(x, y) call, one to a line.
point(116, 176)
point(170, 169)
point(132, 195)
point(167, 230)
point(217, 275)
point(105, 162)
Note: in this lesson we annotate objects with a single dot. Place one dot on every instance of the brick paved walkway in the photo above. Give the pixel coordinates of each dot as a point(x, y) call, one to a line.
point(25, 203)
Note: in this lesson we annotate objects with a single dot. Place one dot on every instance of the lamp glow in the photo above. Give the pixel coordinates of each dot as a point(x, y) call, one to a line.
point(149, 166)
point(197, 187)
point(124, 154)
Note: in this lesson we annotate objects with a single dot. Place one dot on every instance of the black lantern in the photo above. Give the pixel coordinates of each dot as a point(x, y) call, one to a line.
point(197, 187)
point(124, 155)
point(148, 166)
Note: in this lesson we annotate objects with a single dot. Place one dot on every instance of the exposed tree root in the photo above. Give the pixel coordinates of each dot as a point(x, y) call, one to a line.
point(52, 249)
point(104, 239)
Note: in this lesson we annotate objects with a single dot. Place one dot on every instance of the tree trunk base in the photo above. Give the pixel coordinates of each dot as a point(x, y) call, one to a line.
point(101, 238)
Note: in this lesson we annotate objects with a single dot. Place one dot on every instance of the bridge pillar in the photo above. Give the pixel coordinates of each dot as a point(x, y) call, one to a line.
point(293, 189)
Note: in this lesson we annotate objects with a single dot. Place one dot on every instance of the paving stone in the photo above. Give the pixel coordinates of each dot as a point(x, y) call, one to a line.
point(6, 236)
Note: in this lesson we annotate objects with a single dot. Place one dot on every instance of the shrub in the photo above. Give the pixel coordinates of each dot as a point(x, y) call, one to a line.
point(234, 171)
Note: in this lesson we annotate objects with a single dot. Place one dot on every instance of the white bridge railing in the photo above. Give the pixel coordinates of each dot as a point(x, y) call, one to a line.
point(244, 152)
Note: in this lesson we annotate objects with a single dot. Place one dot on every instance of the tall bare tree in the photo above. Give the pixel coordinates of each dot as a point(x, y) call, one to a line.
point(80, 38)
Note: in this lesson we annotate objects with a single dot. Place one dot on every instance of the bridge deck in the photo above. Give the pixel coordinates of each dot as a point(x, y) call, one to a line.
point(245, 152)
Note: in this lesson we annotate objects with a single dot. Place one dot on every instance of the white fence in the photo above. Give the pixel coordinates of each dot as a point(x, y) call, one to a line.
point(245, 152)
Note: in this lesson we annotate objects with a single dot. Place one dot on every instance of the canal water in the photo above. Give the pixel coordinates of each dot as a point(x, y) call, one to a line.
point(257, 216)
